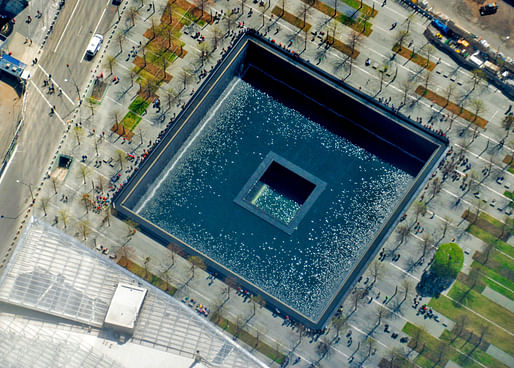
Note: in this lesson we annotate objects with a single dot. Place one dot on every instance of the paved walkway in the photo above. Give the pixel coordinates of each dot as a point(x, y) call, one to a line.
point(498, 298)
point(500, 355)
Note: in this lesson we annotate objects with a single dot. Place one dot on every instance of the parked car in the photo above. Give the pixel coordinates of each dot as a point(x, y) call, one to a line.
point(488, 9)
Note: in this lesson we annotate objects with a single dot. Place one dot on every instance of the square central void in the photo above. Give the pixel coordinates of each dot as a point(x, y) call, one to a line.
point(280, 192)
point(281, 177)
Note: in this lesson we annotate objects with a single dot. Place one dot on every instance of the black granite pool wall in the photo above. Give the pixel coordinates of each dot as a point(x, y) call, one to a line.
point(365, 113)
point(326, 92)
point(203, 100)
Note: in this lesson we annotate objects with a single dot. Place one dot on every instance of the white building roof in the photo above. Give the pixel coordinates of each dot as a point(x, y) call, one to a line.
point(125, 306)
point(52, 274)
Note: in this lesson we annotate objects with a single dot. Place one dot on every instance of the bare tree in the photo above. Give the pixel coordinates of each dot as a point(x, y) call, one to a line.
point(54, 182)
point(121, 158)
point(420, 208)
point(84, 228)
point(196, 262)
point(257, 300)
point(126, 252)
point(356, 298)
point(79, 133)
point(305, 9)
point(406, 287)
point(339, 323)
point(406, 87)
point(121, 37)
point(507, 123)
point(131, 227)
point(460, 326)
point(84, 172)
point(403, 232)
point(64, 216)
point(43, 204)
point(448, 93)
point(216, 36)
point(171, 96)
point(435, 188)
point(133, 13)
point(110, 62)
point(86, 201)
point(478, 107)
point(107, 216)
point(400, 38)
point(324, 348)
point(230, 21)
point(477, 76)
point(168, 13)
point(230, 283)
point(426, 244)
point(377, 270)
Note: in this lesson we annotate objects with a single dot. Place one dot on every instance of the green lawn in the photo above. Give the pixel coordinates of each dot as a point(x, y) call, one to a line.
point(130, 121)
point(488, 238)
point(365, 8)
point(139, 105)
point(429, 355)
point(492, 220)
point(156, 58)
point(189, 17)
point(506, 282)
point(483, 305)
point(467, 347)
point(495, 336)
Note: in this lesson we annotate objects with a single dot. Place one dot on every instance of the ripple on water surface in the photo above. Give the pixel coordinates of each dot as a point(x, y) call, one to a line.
point(305, 269)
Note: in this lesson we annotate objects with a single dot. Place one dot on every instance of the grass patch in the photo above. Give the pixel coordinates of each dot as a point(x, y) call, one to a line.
point(489, 224)
point(467, 347)
point(156, 71)
point(429, 347)
point(192, 12)
point(130, 121)
point(491, 239)
point(482, 305)
point(495, 335)
point(450, 106)
point(139, 105)
point(415, 58)
point(366, 9)
point(360, 25)
point(291, 19)
point(489, 276)
point(251, 340)
point(148, 276)
point(342, 47)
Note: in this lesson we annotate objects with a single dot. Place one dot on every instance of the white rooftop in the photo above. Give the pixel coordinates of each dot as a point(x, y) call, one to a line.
point(125, 306)
point(63, 287)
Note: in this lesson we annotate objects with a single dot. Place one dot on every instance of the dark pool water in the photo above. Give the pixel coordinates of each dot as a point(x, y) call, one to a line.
point(193, 199)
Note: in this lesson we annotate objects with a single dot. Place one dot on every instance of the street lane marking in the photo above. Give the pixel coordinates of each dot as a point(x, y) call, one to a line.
point(66, 27)
point(64, 93)
point(48, 102)
point(96, 28)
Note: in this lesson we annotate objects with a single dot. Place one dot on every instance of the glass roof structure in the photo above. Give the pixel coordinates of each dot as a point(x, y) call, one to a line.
point(53, 274)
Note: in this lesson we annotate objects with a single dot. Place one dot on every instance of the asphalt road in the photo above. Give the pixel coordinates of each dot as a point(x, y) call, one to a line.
point(42, 132)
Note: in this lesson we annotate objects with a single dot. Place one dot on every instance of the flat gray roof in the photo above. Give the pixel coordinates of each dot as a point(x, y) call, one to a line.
point(125, 306)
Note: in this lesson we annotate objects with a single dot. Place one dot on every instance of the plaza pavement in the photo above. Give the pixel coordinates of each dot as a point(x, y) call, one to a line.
point(378, 48)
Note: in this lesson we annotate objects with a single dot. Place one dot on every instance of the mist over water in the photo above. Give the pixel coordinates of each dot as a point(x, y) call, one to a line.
point(196, 200)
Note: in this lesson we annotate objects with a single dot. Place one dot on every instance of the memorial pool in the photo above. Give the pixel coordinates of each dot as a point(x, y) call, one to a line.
point(270, 186)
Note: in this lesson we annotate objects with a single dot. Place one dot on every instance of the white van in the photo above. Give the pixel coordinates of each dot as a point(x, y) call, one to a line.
point(94, 45)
